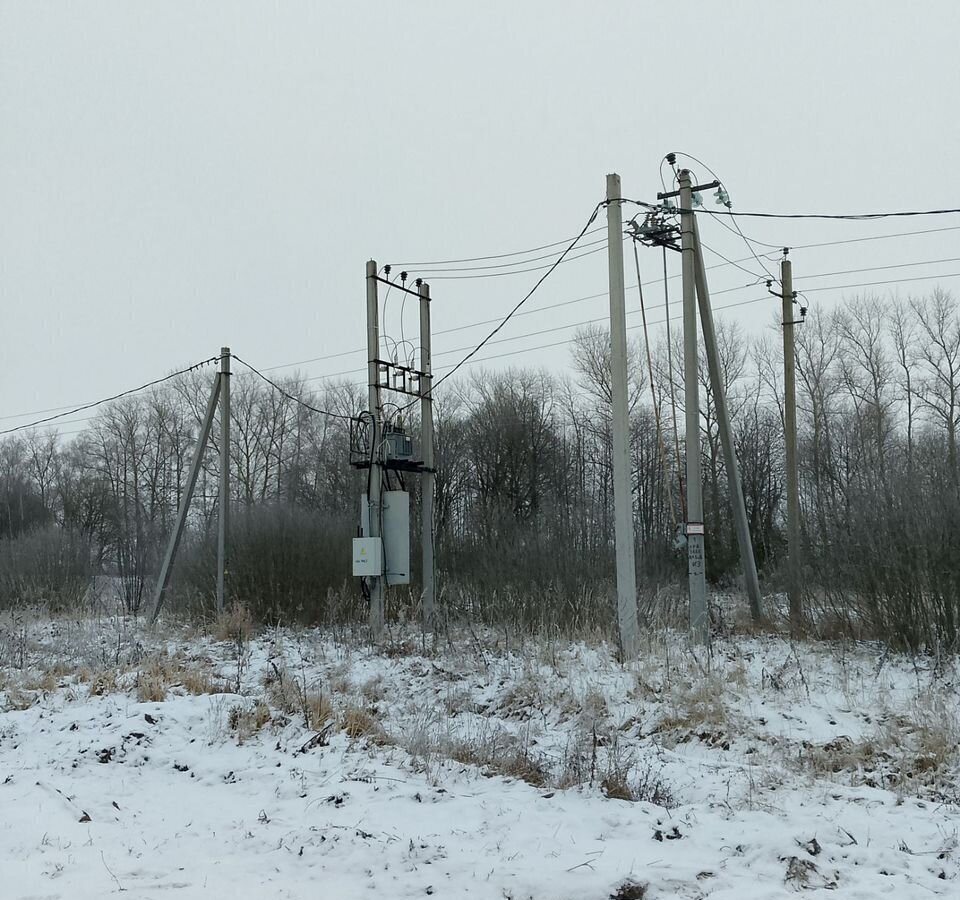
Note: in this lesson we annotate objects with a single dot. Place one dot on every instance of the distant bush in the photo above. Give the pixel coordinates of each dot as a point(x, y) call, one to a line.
point(49, 566)
point(285, 563)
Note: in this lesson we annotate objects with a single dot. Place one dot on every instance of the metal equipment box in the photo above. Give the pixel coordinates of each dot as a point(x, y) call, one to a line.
point(395, 524)
point(367, 556)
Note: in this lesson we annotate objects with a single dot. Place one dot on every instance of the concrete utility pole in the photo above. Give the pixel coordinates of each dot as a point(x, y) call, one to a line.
point(428, 599)
point(790, 429)
point(696, 559)
point(622, 488)
point(224, 524)
point(374, 499)
point(747, 561)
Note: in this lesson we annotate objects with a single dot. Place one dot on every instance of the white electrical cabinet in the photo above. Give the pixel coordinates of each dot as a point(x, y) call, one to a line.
point(395, 529)
point(367, 556)
point(392, 548)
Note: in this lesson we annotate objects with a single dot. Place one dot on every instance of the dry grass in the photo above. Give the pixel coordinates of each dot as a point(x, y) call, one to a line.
point(47, 682)
point(151, 688)
point(101, 681)
point(248, 722)
point(161, 673)
point(910, 755)
point(235, 625)
point(292, 696)
point(496, 751)
point(357, 721)
point(373, 690)
point(697, 709)
point(17, 699)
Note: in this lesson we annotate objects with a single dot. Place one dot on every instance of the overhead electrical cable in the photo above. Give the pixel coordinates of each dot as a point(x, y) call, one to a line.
point(874, 237)
point(550, 267)
point(600, 319)
point(127, 393)
point(293, 397)
point(522, 262)
point(444, 262)
point(852, 217)
point(519, 303)
point(546, 307)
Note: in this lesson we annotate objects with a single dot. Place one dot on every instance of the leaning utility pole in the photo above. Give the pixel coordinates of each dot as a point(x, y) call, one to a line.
point(696, 560)
point(622, 489)
point(790, 429)
point(224, 523)
point(377, 582)
point(747, 561)
point(428, 601)
point(166, 568)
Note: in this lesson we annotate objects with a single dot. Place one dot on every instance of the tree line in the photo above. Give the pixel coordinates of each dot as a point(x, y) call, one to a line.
point(523, 513)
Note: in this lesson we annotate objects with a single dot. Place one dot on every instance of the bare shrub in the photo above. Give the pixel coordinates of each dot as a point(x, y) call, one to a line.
point(49, 566)
point(292, 695)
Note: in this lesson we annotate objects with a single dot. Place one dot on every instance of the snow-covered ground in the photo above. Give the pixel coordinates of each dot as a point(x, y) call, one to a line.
point(175, 764)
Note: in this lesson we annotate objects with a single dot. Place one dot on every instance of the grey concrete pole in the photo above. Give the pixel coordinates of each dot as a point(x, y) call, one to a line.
point(747, 561)
point(224, 523)
point(622, 483)
point(166, 568)
point(696, 558)
point(790, 427)
point(376, 582)
point(428, 598)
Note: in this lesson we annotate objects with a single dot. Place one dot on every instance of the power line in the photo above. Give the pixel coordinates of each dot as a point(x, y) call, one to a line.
point(731, 262)
point(477, 324)
point(444, 262)
point(874, 237)
point(522, 262)
point(594, 321)
point(524, 299)
point(67, 411)
point(470, 358)
point(289, 396)
point(725, 306)
point(842, 287)
point(588, 297)
point(927, 262)
point(550, 267)
point(629, 328)
point(136, 390)
point(854, 217)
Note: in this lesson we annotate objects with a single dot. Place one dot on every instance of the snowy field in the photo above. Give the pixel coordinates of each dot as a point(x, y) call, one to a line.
point(296, 764)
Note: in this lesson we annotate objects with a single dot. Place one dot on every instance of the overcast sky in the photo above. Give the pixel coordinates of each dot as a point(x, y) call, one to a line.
point(178, 176)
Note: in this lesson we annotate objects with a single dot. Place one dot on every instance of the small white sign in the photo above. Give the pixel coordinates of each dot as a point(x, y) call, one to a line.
point(695, 528)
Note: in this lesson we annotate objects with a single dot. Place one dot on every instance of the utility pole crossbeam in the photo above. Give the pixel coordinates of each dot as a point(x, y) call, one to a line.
point(696, 558)
point(790, 428)
point(428, 598)
point(747, 560)
point(166, 569)
point(224, 521)
point(376, 583)
point(627, 618)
